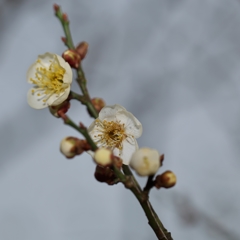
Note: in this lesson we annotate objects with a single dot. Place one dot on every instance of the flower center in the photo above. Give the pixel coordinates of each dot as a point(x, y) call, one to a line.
point(49, 80)
point(113, 134)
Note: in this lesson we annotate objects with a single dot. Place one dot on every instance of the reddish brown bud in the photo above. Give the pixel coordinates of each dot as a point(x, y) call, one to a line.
point(98, 103)
point(82, 49)
point(166, 180)
point(161, 159)
point(65, 17)
point(104, 174)
point(63, 108)
point(64, 39)
point(56, 7)
point(72, 57)
point(82, 126)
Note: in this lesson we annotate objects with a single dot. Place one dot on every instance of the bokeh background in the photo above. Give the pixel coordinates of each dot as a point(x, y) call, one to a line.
point(175, 64)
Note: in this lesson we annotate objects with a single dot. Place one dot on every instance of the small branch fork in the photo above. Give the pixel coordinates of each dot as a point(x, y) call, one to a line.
point(126, 177)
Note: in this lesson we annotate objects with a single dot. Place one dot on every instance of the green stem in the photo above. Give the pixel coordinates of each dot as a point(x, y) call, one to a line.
point(128, 172)
point(82, 82)
point(153, 220)
point(66, 29)
point(82, 130)
point(80, 98)
point(149, 184)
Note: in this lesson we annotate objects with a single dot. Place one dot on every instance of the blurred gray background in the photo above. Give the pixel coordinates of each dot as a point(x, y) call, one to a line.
point(175, 64)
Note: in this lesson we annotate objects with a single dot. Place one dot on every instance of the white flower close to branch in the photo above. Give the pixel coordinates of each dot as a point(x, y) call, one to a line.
point(145, 161)
point(52, 77)
point(117, 130)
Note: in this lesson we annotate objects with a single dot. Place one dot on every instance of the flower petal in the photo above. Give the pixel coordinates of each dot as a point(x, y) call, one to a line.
point(129, 147)
point(109, 112)
point(133, 126)
point(94, 134)
point(67, 78)
point(92, 126)
point(34, 100)
point(31, 72)
point(45, 61)
point(57, 99)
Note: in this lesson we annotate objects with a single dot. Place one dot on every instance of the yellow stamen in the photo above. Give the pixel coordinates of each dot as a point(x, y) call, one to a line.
point(112, 134)
point(50, 80)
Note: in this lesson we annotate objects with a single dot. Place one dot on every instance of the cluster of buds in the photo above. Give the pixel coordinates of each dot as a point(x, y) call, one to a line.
point(75, 56)
point(105, 160)
point(146, 162)
point(72, 146)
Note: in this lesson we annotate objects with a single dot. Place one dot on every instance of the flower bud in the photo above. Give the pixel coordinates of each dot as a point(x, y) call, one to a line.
point(161, 159)
point(167, 180)
point(71, 146)
point(72, 57)
point(145, 161)
point(82, 49)
point(104, 174)
point(65, 18)
point(103, 157)
point(56, 7)
point(61, 107)
point(64, 40)
point(98, 103)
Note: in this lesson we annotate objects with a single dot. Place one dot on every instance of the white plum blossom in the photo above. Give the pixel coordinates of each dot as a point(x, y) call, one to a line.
point(145, 161)
point(52, 78)
point(117, 130)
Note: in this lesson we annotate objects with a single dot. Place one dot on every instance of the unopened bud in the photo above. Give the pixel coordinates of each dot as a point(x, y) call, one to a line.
point(72, 57)
point(98, 103)
point(71, 146)
point(82, 49)
point(65, 17)
point(103, 157)
point(166, 180)
point(63, 107)
point(104, 174)
point(64, 40)
point(56, 7)
point(145, 161)
point(161, 159)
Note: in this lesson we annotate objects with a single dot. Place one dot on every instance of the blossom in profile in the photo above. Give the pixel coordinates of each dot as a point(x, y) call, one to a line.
point(145, 161)
point(116, 129)
point(52, 78)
